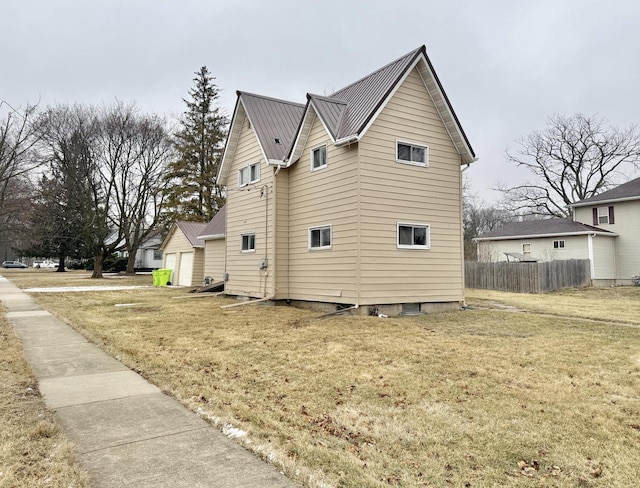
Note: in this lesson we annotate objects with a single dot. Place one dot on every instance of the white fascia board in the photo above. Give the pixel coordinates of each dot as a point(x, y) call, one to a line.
point(300, 135)
point(253, 128)
point(534, 236)
point(347, 140)
point(277, 162)
point(211, 237)
point(315, 109)
point(221, 177)
point(604, 202)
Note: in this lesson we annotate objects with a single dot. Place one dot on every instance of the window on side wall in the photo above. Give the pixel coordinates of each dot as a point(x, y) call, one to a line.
point(249, 174)
point(413, 236)
point(412, 153)
point(248, 242)
point(319, 158)
point(526, 249)
point(320, 237)
point(157, 254)
point(603, 215)
point(558, 244)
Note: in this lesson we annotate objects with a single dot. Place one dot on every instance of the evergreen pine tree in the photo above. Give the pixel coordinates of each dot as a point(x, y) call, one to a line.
point(192, 190)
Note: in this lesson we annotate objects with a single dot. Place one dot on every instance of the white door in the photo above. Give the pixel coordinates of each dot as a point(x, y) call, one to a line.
point(186, 269)
point(170, 263)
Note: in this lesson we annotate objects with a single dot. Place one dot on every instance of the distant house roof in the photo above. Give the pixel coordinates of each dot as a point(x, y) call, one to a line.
point(627, 191)
point(346, 114)
point(216, 227)
point(541, 228)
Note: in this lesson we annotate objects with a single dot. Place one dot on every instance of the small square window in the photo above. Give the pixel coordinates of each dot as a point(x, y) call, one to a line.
point(410, 153)
point(248, 242)
point(558, 244)
point(157, 254)
point(413, 236)
point(319, 157)
point(320, 237)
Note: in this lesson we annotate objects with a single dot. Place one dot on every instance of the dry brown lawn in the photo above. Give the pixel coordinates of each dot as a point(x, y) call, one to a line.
point(33, 453)
point(31, 278)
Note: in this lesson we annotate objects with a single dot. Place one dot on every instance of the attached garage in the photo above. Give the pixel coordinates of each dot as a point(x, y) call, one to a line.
point(183, 253)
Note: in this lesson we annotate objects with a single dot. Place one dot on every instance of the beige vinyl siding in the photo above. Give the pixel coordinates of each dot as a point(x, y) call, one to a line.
point(576, 247)
point(604, 257)
point(393, 192)
point(627, 244)
point(246, 214)
point(198, 267)
point(214, 258)
point(282, 234)
point(326, 196)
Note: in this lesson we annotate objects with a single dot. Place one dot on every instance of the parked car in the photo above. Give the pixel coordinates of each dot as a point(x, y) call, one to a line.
point(13, 264)
point(44, 264)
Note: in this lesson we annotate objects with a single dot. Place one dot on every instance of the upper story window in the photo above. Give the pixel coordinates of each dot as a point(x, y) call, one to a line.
point(603, 215)
point(319, 157)
point(558, 244)
point(526, 249)
point(249, 174)
point(413, 236)
point(320, 237)
point(411, 153)
point(248, 242)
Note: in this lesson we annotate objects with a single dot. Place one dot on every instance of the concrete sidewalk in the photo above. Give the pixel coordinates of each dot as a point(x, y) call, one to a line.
point(128, 433)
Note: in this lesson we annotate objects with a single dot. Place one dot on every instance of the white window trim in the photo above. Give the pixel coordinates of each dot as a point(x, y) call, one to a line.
point(606, 214)
point(413, 246)
point(319, 227)
point(245, 251)
point(560, 247)
point(416, 144)
point(524, 253)
point(326, 157)
point(248, 168)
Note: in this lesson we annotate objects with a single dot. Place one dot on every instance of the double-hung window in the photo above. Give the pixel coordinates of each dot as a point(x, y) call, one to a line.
point(248, 242)
point(320, 237)
point(319, 157)
point(411, 153)
point(249, 174)
point(413, 236)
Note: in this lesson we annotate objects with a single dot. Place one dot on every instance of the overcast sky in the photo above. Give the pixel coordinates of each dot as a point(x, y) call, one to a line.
point(506, 65)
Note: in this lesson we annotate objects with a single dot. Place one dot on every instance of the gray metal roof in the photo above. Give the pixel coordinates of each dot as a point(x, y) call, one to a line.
point(366, 95)
point(191, 231)
point(330, 110)
point(273, 119)
point(216, 227)
point(532, 228)
point(627, 191)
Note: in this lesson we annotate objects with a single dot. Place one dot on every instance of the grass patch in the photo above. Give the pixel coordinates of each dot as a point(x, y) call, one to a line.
point(475, 398)
point(44, 278)
point(615, 304)
point(33, 453)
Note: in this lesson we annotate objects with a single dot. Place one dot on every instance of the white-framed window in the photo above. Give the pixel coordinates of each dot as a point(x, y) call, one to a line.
point(320, 237)
point(412, 153)
point(603, 215)
point(249, 174)
point(157, 254)
point(558, 244)
point(319, 157)
point(248, 242)
point(413, 236)
point(526, 249)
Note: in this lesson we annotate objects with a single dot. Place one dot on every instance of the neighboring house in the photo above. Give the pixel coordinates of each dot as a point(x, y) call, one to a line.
point(183, 253)
point(149, 254)
point(214, 249)
point(350, 199)
point(605, 229)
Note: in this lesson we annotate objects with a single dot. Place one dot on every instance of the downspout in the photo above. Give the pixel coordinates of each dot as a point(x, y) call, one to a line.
point(591, 264)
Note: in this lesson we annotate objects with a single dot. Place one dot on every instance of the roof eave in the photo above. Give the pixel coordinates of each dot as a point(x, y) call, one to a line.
point(555, 234)
point(602, 202)
point(211, 237)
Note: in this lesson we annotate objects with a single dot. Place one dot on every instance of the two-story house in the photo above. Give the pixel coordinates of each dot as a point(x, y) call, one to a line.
point(352, 199)
point(604, 229)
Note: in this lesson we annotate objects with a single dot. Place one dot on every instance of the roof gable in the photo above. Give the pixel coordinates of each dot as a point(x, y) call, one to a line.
point(627, 191)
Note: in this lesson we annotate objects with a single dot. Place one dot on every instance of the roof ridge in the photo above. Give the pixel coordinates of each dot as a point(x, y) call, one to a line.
point(327, 99)
point(273, 99)
point(408, 55)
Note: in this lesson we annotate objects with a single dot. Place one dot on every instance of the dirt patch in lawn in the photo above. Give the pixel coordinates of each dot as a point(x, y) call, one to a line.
point(474, 398)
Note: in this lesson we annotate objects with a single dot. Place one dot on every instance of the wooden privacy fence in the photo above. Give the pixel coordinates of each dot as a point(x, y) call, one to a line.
point(528, 277)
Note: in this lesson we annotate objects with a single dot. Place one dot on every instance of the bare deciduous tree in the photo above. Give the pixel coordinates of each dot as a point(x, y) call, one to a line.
point(572, 159)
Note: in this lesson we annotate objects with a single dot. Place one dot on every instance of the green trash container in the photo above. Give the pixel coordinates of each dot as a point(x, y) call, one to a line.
point(164, 277)
point(156, 277)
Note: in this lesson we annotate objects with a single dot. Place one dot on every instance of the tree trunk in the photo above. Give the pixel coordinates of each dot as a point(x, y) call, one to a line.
point(61, 265)
point(97, 265)
point(131, 262)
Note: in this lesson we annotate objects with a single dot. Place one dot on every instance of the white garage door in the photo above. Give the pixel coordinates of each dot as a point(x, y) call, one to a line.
point(186, 269)
point(170, 263)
